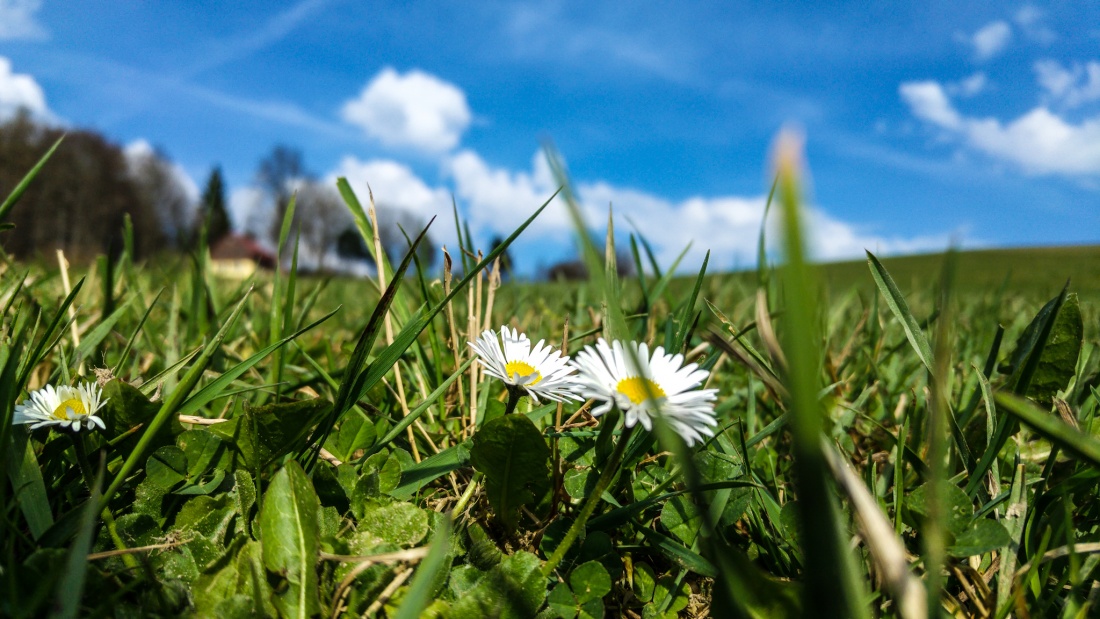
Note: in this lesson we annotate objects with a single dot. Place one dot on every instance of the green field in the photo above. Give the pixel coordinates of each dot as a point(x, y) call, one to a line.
point(900, 439)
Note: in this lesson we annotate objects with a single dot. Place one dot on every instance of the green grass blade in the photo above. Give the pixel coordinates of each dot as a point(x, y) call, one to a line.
point(415, 413)
point(21, 188)
point(171, 404)
point(214, 390)
point(70, 588)
point(600, 271)
point(895, 300)
point(423, 585)
point(1051, 427)
point(96, 336)
point(685, 318)
point(352, 385)
point(829, 587)
point(133, 336)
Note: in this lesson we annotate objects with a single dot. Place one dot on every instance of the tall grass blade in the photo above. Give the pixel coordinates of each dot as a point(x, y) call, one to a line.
point(829, 575)
point(70, 588)
point(423, 586)
point(21, 187)
point(600, 271)
point(895, 300)
point(1052, 428)
point(171, 404)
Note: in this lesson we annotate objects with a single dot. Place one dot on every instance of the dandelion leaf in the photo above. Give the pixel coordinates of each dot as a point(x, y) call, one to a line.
point(513, 456)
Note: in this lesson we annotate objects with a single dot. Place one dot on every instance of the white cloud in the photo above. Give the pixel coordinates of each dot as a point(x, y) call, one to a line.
point(1031, 20)
point(502, 199)
point(991, 39)
point(1069, 86)
point(928, 101)
point(969, 86)
point(728, 226)
point(1039, 141)
point(19, 90)
point(17, 20)
point(415, 110)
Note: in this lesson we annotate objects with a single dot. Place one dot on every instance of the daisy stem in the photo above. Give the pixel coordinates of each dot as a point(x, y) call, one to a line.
point(514, 394)
point(81, 451)
point(590, 503)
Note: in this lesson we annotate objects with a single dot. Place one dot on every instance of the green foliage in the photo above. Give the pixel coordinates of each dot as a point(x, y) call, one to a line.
point(262, 458)
point(289, 532)
point(514, 458)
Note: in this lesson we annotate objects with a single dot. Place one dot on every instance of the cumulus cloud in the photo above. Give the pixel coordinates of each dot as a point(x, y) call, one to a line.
point(1069, 86)
point(991, 39)
point(1039, 141)
point(19, 90)
point(502, 199)
point(728, 226)
point(1032, 22)
point(415, 110)
point(969, 86)
point(496, 200)
point(928, 101)
point(18, 21)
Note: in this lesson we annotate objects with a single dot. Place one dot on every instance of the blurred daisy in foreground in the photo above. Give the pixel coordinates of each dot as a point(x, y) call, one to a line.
point(69, 407)
point(541, 371)
point(644, 386)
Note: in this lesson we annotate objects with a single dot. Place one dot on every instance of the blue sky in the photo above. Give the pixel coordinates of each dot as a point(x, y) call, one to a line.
point(923, 124)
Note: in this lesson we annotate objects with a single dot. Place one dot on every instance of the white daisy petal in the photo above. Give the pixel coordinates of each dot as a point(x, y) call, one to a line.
point(66, 407)
point(644, 385)
point(541, 370)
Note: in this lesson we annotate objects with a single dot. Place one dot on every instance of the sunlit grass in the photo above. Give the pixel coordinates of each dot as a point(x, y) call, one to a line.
point(303, 446)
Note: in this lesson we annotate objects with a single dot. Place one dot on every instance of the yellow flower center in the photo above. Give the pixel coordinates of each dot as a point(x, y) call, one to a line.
point(639, 389)
point(522, 369)
point(77, 406)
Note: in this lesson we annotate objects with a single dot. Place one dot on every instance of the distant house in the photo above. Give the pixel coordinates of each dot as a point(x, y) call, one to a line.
point(237, 255)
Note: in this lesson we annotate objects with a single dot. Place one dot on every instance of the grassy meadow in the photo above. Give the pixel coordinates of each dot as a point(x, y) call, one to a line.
point(909, 437)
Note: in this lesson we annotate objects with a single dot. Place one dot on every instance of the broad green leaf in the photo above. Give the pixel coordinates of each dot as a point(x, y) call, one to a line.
point(512, 589)
point(682, 519)
point(513, 456)
point(562, 601)
point(28, 487)
point(127, 407)
point(356, 432)
point(645, 581)
point(290, 535)
point(589, 581)
point(166, 467)
point(982, 536)
point(956, 507)
point(415, 477)
point(403, 524)
point(1058, 363)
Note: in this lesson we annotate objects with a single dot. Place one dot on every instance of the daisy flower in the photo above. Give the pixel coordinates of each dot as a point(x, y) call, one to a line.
point(541, 371)
point(71, 407)
point(644, 386)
